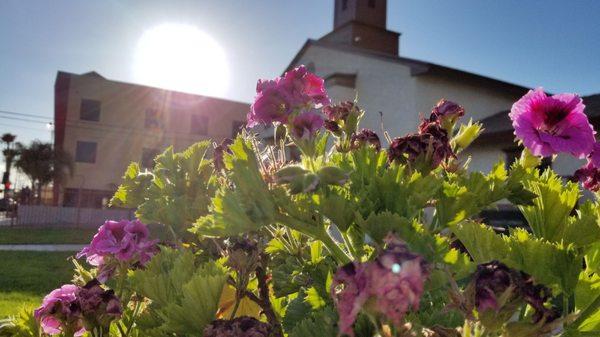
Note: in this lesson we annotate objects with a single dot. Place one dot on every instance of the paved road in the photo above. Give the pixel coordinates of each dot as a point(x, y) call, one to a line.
point(43, 248)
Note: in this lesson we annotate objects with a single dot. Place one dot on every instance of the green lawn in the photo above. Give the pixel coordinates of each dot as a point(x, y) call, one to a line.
point(32, 235)
point(27, 276)
point(22, 235)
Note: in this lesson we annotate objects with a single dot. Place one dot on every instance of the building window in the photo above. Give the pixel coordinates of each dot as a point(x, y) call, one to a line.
point(236, 128)
point(153, 119)
point(344, 5)
point(372, 3)
point(86, 152)
point(148, 156)
point(86, 198)
point(90, 110)
point(199, 124)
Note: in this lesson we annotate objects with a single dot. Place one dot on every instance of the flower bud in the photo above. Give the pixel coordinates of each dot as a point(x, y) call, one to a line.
point(331, 175)
point(304, 184)
point(467, 134)
point(243, 254)
point(447, 113)
point(289, 174)
point(528, 160)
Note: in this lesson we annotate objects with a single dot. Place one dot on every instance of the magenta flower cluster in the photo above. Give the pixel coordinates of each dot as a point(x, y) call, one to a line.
point(119, 243)
point(389, 286)
point(71, 309)
point(548, 125)
point(290, 99)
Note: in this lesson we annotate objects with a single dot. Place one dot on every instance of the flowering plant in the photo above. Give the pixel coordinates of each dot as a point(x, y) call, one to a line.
point(360, 236)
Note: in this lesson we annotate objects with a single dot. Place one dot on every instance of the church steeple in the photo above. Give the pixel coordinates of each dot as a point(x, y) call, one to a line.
point(371, 12)
point(363, 24)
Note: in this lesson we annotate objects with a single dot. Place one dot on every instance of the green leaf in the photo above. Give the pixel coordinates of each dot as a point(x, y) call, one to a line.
point(132, 191)
point(551, 209)
point(297, 310)
point(246, 205)
point(322, 323)
point(184, 297)
point(549, 263)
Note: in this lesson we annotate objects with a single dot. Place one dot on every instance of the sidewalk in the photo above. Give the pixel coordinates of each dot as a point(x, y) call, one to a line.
point(43, 248)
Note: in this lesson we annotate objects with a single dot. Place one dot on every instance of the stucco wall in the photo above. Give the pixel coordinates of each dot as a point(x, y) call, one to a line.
point(120, 133)
point(388, 86)
point(381, 86)
point(479, 102)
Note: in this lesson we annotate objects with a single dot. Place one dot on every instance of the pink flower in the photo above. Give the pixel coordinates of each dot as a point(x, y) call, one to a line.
point(60, 312)
point(548, 125)
point(270, 105)
point(119, 241)
point(354, 293)
point(306, 125)
point(390, 286)
point(277, 99)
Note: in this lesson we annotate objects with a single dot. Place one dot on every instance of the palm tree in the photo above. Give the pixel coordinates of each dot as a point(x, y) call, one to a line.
point(42, 164)
point(9, 156)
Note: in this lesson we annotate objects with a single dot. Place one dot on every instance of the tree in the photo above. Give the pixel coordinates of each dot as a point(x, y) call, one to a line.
point(9, 155)
point(42, 164)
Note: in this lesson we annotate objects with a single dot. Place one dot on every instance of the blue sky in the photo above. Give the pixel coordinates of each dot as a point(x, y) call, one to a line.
point(548, 43)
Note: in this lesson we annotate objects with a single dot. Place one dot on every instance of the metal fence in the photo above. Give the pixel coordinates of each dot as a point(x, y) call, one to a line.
point(39, 215)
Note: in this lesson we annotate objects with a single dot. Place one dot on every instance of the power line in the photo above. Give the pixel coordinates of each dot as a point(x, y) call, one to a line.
point(23, 114)
point(24, 120)
point(23, 127)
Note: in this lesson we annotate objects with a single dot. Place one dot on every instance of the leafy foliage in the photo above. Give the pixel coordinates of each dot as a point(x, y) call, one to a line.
point(184, 298)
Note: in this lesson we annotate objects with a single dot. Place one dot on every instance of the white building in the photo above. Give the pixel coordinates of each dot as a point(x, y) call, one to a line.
point(361, 57)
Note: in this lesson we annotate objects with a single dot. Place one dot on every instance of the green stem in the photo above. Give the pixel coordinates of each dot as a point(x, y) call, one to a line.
point(591, 309)
point(334, 248)
point(321, 234)
point(135, 312)
point(235, 308)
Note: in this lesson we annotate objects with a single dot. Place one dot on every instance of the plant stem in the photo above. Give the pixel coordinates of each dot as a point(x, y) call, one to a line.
point(587, 312)
point(263, 292)
point(321, 234)
point(135, 312)
point(334, 249)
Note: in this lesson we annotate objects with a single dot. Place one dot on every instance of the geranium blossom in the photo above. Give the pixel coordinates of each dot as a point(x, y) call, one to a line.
point(98, 306)
point(365, 137)
point(430, 145)
point(392, 284)
point(276, 100)
point(548, 125)
point(60, 312)
point(121, 242)
point(306, 125)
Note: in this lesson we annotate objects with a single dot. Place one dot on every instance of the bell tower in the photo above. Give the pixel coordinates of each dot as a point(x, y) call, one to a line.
point(363, 24)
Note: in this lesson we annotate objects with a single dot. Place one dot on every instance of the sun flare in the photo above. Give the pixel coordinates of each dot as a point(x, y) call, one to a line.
point(181, 57)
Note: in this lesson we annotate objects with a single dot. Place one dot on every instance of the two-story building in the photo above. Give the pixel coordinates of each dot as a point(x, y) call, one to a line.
point(107, 124)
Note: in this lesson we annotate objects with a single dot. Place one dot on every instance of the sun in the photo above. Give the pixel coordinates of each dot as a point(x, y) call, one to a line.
point(181, 57)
